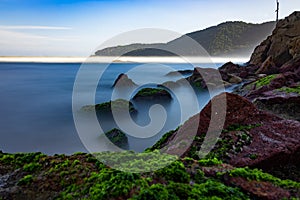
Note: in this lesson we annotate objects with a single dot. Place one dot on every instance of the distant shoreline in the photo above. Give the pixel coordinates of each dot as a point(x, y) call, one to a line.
point(102, 59)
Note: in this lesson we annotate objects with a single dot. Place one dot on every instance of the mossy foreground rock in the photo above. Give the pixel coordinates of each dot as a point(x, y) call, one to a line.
point(82, 176)
point(119, 105)
point(152, 93)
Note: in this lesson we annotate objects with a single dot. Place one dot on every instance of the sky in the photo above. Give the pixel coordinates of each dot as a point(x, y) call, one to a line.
point(78, 27)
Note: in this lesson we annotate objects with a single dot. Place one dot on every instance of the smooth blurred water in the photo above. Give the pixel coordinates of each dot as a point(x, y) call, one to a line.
point(36, 105)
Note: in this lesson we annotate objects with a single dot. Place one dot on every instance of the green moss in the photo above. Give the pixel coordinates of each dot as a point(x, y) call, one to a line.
point(154, 192)
point(75, 162)
point(20, 159)
point(258, 175)
point(160, 144)
point(150, 92)
point(198, 84)
point(225, 144)
point(210, 162)
point(252, 156)
point(179, 190)
point(31, 167)
point(117, 137)
point(26, 180)
point(240, 127)
point(119, 105)
point(265, 80)
point(295, 90)
point(175, 172)
point(105, 184)
point(213, 189)
point(136, 162)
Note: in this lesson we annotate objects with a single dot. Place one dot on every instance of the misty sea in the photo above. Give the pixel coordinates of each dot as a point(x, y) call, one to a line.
point(36, 105)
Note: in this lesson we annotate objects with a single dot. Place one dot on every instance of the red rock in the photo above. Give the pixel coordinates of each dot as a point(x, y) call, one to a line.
point(259, 189)
point(275, 142)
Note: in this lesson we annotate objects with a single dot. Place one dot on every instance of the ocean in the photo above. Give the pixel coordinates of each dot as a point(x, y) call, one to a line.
point(36, 104)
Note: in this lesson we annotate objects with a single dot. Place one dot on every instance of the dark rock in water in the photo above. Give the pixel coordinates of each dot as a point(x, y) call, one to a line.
point(119, 105)
point(170, 84)
point(124, 81)
point(250, 137)
point(117, 137)
point(283, 45)
point(244, 72)
point(202, 77)
point(182, 72)
point(152, 93)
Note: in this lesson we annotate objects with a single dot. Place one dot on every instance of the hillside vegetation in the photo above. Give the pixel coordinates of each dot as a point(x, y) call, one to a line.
point(229, 38)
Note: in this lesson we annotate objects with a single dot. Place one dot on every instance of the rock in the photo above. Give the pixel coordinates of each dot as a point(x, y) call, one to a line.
point(90, 176)
point(229, 67)
point(119, 105)
point(180, 72)
point(117, 137)
point(234, 79)
point(268, 141)
point(291, 66)
point(171, 84)
point(124, 81)
point(243, 72)
point(268, 67)
point(152, 93)
point(260, 189)
point(282, 45)
point(286, 105)
point(213, 77)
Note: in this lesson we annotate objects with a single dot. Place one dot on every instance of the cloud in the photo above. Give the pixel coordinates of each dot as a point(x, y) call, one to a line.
point(18, 43)
point(35, 28)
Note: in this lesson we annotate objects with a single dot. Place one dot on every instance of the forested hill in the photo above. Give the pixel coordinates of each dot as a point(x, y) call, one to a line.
point(226, 39)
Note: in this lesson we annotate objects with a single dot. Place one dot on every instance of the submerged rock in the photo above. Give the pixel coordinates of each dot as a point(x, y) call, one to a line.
point(124, 81)
point(152, 93)
point(180, 72)
point(119, 105)
point(117, 137)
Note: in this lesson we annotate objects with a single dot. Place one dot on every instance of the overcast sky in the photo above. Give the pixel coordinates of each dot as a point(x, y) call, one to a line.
point(77, 27)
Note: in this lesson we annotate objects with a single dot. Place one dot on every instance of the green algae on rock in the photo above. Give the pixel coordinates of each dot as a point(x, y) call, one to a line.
point(119, 105)
point(117, 137)
point(152, 93)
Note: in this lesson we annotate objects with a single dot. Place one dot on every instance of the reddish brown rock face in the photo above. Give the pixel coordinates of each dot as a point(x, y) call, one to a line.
point(275, 141)
point(260, 189)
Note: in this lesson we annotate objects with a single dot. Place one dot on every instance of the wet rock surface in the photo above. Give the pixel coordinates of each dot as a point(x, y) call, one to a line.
point(252, 137)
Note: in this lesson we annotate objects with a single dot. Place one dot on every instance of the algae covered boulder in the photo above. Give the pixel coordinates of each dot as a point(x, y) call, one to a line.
point(152, 93)
point(119, 105)
point(117, 137)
